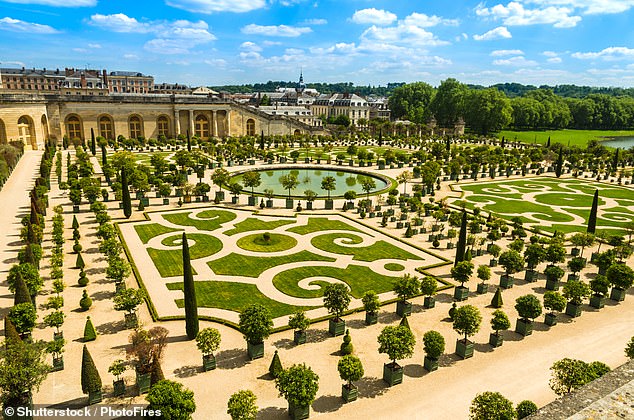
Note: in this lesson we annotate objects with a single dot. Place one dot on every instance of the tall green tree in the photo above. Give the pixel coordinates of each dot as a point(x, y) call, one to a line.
point(487, 110)
point(560, 163)
point(412, 102)
point(189, 289)
point(448, 103)
point(90, 379)
point(23, 368)
point(462, 240)
point(125, 194)
point(592, 220)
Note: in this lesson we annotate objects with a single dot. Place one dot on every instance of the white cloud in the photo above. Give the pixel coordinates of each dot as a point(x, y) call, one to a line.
point(498, 33)
point(607, 54)
point(16, 25)
point(130, 56)
point(402, 33)
point(250, 46)
point(373, 16)
point(424, 21)
point(214, 6)
point(315, 22)
point(268, 43)
point(279, 30)
point(216, 62)
point(57, 3)
point(554, 60)
point(550, 54)
point(514, 14)
point(518, 61)
point(80, 50)
point(502, 53)
point(591, 7)
point(96, 46)
point(119, 22)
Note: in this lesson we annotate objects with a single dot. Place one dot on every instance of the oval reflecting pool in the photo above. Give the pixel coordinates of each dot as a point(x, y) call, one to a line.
point(311, 178)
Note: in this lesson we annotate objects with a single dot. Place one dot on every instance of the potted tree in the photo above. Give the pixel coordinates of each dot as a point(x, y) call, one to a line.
point(553, 276)
point(268, 193)
point(208, 341)
point(336, 301)
point(600, 286)
point(128, 300)
point(255, 325)
point(220, 177)
point(555, 253)
point(310, 197)
point(466, 320)
point(251, 180)
point(512, 262)
point(146, 350)
point(398, 343)
point(405, 287)
point(299, 322)
point(350, 370)
point(604, 260)
point(534, 255)
point(241, 405)
point(428, 287)
point(298, 385)
point(328, 184)
point(235, 188)
point(55, 320)
point(56, 348)
point(528, 307)
point(576, 264)
point(461, 272)
point(371, 304)
point(499, 322)
point(434, 347)
point(289, 182)
point(554, 302)
point(494, 250)
point(621, 277)
point(484, 274)
point(580, 241)
point(575, 292)
point(117, 368)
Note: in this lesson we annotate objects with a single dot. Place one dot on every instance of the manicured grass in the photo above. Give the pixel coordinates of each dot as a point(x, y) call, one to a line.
point(214, 219)
point(252, 224)
point(359, 278)
point(170, 262)
point(247, 266)
point(575, 137)
point(152, 230)
point(276, 243)
point(318, 224)
point(377, 251)
point(234, 297)
point(394, 267)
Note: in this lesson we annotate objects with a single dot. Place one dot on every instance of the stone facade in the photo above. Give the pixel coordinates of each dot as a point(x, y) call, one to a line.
point(35, 118)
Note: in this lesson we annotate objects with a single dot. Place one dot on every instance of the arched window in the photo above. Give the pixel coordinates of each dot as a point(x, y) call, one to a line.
point(3, 133)
point(73, 127)
point(135, 127)
point(106, 128)
point(250, 127)
point(25, 130)
point(201, 127)
point(162, 126)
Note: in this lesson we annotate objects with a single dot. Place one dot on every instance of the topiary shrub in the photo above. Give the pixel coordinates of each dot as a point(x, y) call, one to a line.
point(496, 301)
point(85, 302)
point(89, 331)
point(346, 347)
point(90, 379)
point(276, 366)
point(525, 409)
point(433, 344)
point(83, 279)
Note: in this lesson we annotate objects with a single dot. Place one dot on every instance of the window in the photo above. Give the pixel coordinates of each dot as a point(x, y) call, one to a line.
point(105, 128)
point(163, 125)
point(25, 130)
point(250, 127)
point(135, 127)
point(201, 127)
point(73, 127)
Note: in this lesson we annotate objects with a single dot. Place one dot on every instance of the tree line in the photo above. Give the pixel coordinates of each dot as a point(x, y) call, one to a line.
point(342, 87)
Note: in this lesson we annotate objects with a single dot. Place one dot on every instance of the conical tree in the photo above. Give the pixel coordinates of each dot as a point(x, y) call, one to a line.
point(79, 263)
point(462, 239)
point(89, 331)
point(548, 142)
point(104, 156)
point(615, 162)
point(276, 366)
point(189, 142)
point(560, 163)
point(592, 220)
point(404, 323)
point(497, 302)
point(22, 293)
point(93, 144)
point(75, 224)
point(262, 141)
point(90, 379)
point(191, 306)
point(125, 195)
point(380, 142)
point(10, 333)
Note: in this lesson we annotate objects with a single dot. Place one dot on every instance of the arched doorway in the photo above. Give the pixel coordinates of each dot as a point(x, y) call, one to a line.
point(163, 126)
point(136, 127)
point(201, 127)
point(26, 131)
point(297, 133)
point(106, 127)
point(250, 127)
point(3, 133)
point(74, 127)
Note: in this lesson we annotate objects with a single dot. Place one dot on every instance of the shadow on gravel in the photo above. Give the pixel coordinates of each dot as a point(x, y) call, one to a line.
point(327, 404)
point(187, 371)
point(370, 387)
point(232, 359)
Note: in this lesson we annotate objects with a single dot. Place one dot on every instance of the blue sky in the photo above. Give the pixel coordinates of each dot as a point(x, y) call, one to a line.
point(214, 42)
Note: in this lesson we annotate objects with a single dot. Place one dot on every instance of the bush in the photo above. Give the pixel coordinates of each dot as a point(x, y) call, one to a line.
point(23, 316)
point(346, 347)
point(576, 291)
point(528, 306)
point(90, 379)
point(256, 323)
point(172, 399)
point(299, 321)
point(497, 301)
point(620, 276)
point(467, 320)
point(500, 321)
point(554, 301)
point(433, 344)
point(397, 342)
point(241, 406)
point(629, 349)
point(371, 302)
point(85, 302)
point(276, 365)
point(336, 299)
point(491, 406)
point(570, 374)
point(525, 409)
point(428, 286)
point(350, 368)
point(298, 385)
point(83, 279)
point(406, 287)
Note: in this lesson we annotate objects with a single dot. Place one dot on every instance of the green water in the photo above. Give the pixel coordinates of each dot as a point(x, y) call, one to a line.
point(310, 179)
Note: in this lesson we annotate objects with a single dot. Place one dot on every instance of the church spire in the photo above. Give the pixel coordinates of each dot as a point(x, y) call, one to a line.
point(301, 86)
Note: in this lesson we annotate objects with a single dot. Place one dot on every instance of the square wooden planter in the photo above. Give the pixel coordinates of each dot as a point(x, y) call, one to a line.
point(251, 201)
point(289, 203)
point(597, 301)
point(493, 262)
point(429, 302)
point(530, 276)
point(460, 293)
point(573, 310)
point(552, 284)
point(550, 319)
point(464, 349)
point(403, 308)
point(209, 362)
point(143, 382)
point(299, 337)
point(329, 204)
point(430, 364)
point(255, 350)
point(392, 374)
point(495, 340)
point(524, 327)
point(58, 364)
point(118, 388)
point(131, 321)
point(336, 327)
point(483, 288)
point(506, 281)
point(298, 413)
point(617, 294)
point(349, 393)
point(371, 318)
point(94, 397)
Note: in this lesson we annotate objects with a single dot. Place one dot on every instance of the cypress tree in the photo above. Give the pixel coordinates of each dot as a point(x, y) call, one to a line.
point(33, 216)
point(10, 333)
point(22, 293)
point(548, 142)
point(29, 256)
point(615, 163)
point(75, 224)
point(560, 163)
point(448, 144)
point(125, 195)
point(90, 379)
point(462, 239)
point(275, 368)
point(93, 144)
point(262, 141)
point(104, 158)
point(592, 220)
point(497, 302)
point(191, 306)
point(380, 137)
point(89, 331)
point(189, 142)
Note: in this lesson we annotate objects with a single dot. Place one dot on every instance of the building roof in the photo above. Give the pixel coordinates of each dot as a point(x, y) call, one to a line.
point(128, 74)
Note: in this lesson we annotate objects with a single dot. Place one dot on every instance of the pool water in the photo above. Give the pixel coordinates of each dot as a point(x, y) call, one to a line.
point(622, 142)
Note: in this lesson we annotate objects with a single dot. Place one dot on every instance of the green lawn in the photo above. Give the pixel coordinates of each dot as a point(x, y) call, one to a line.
point(575, 137)
point(377, 251)
point(252, 224)
point(152, 230)
point(170, 262)
point(318, 224)
point(234, 297)
point(247, 266)
point(214, 219)
point(277, 242)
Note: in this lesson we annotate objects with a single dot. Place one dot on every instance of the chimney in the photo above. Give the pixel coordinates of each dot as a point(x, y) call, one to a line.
point(105, 77)
point(83, 80)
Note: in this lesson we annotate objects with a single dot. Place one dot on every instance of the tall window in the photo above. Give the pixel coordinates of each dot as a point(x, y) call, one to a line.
point(163, 126)
point(73, 127)
point(250, 127)
point(135, 127)
point(25, 130)
point(105, 128)
point(201, 127)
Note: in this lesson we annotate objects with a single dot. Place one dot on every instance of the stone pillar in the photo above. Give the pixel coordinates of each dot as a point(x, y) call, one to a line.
point(177, 123)
point(228, 113)
point(214, 132)
point(191, 122)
